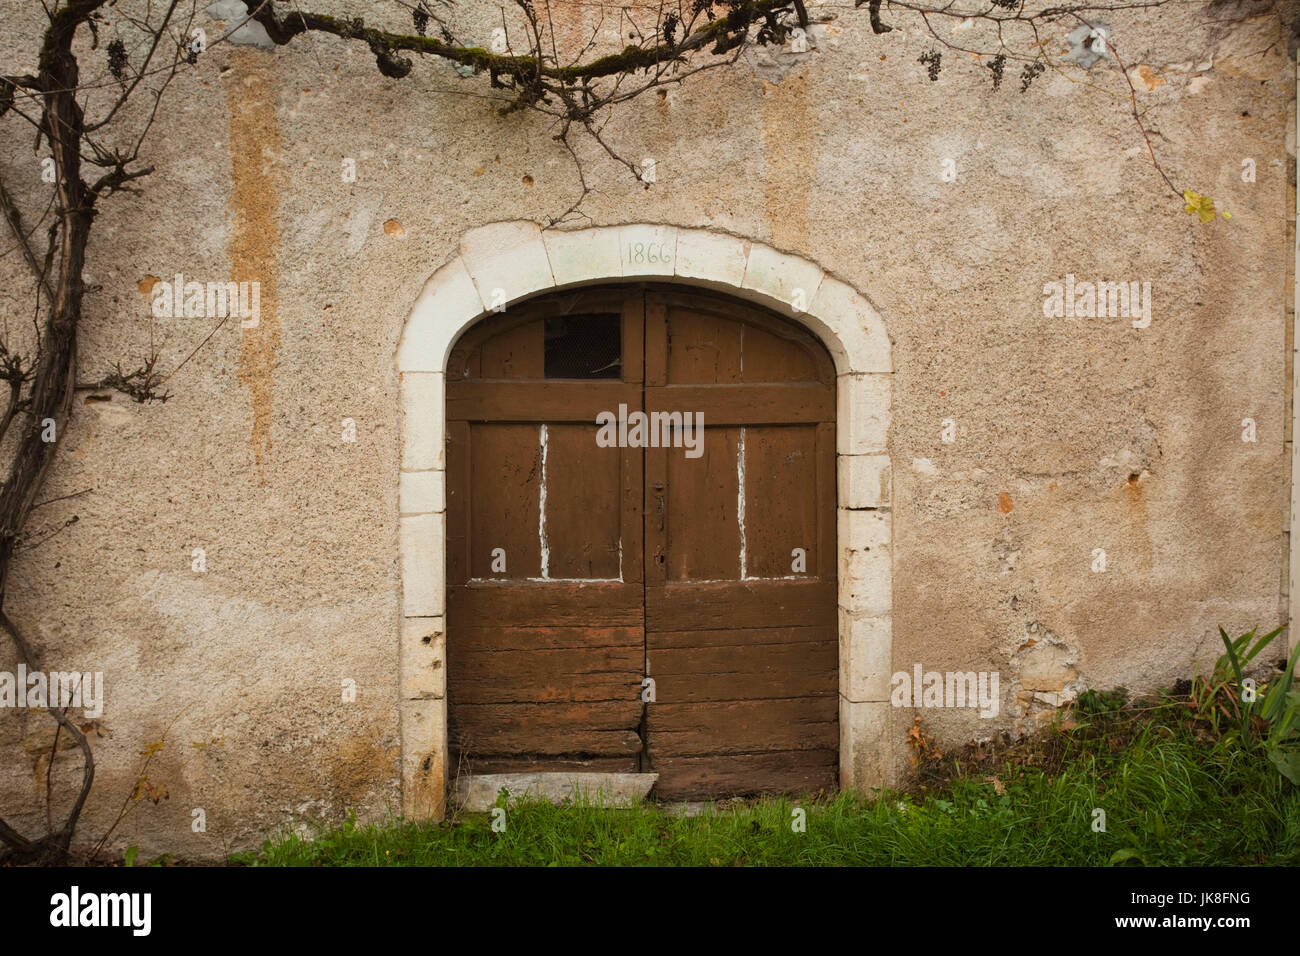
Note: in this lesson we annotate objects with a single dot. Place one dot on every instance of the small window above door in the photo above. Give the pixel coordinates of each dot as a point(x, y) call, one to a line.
point(585, 346)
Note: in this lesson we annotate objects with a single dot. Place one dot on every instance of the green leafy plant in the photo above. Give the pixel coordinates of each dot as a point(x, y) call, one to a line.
point(1202, 206)
point(1102, 701)
point(1268, 716)
point(1280, 709)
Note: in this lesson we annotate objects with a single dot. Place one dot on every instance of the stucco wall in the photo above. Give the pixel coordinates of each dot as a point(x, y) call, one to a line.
point(1070, 434)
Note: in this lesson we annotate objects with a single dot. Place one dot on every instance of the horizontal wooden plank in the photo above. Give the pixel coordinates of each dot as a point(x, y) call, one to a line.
point(575, 729)
point(769, 404)
point(571, 674)
point(805, 723)
point(732, 636)
point(527, 763)
point(486, 637)
point(506, 401)
point(547, 603)
point(683, 606)
point(754, 672)
point(786, 772)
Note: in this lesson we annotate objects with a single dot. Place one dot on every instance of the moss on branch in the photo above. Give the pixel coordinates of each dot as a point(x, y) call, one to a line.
point(387, 45)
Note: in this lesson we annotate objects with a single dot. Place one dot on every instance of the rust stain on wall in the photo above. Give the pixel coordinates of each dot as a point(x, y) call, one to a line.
point(572, 29)
point(255, 230)
point(1138, 519)
point(789, 160)
point(358, 762)
point(1151, 78)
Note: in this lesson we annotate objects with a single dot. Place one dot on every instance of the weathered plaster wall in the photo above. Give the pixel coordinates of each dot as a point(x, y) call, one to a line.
point(1070, 434)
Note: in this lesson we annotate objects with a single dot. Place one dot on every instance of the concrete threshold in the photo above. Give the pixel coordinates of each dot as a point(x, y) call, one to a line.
point(478, 792)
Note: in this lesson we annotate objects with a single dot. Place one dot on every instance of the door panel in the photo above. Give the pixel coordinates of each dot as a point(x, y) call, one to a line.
point(700, 517)
point(741, 629)
point(583, 530)
point(780, 466)
point(627, 562)
point(506, 458)
point(544, 658)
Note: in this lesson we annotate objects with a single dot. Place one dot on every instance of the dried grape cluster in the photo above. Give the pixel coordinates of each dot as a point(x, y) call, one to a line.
point(117, 59)
point(997, 66)
point(932, 59)
point(1030, 72)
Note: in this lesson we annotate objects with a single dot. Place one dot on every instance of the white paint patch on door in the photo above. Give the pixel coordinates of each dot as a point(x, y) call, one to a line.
point(740, 499)
point(541, 512)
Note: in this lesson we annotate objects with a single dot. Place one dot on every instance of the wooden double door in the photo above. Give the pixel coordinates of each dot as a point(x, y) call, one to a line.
point(628, 591)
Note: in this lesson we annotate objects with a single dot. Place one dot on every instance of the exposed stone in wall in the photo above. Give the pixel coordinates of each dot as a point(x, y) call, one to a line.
point(243, 32)
point(1088, 44)
point(772, 62)
point(1046, 676)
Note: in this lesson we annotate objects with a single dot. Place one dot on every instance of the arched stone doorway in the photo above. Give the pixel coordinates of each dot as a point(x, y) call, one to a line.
point(508, 262)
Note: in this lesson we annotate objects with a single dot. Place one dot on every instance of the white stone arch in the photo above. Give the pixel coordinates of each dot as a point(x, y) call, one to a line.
point(506, 262)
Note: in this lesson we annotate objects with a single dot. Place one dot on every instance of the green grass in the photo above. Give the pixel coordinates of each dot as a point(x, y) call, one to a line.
point(1172, 794)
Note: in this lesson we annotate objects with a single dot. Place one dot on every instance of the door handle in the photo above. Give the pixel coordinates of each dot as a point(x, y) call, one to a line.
point(659, 505)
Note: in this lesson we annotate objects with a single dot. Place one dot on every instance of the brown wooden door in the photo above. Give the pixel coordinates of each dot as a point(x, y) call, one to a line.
point(575, 570)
